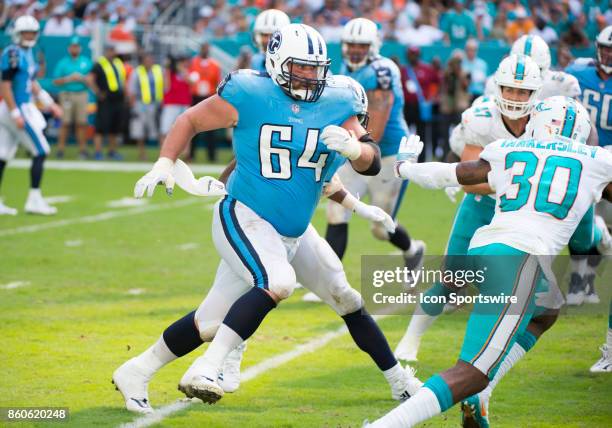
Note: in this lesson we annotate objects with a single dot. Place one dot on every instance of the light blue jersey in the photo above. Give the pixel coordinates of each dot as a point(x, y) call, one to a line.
point(258, 62)
point(280, 163)
point(19, 66)
point(596, 97)
point(382, 73)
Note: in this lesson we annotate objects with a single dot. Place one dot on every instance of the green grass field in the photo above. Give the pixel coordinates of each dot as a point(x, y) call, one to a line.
point(98, 292)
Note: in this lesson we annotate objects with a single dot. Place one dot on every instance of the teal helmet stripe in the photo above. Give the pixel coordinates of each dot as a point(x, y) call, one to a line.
point(519, 74)
point(528, 45)
point(570, 121)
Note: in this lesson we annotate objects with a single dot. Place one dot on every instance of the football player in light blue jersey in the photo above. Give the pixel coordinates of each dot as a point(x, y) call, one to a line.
point(596, 84)
point(380, 78)
point(290, 129)
point(266, 23)
point(20, 120)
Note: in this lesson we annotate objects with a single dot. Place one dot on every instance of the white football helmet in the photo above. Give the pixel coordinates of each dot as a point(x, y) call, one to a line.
point(364, 32)
point(534, 47)
point(25, 23)
point(603, 45)
point(298, 44)
point(266, 23)
point(517, 71)
point(360, 96)
point(559, 117)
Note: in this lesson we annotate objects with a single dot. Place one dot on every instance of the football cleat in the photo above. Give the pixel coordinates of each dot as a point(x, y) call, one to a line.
point(36, 204)
point(131, 382)
point(408, 348)
point(590, 294)
point(413, 259)
point(406, 386)
point(604, 364)
point(475, 412)
point(229, 377)
point(204, 388)
point(4, 210)
point(576, 293)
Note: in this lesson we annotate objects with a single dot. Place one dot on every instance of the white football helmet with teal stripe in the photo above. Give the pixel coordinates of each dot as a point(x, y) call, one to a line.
point(266, 23)
point(517, 71)
point(534, 47)
point(559, 117)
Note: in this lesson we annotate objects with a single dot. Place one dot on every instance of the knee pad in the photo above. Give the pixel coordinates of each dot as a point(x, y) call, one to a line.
point(282, 281)
point(336, 213)
point(379, 231)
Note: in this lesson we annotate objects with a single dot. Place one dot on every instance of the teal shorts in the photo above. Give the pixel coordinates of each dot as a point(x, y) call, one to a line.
point(493, 326)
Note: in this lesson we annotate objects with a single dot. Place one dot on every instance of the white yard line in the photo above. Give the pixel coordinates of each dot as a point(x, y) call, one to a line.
point(14, 284)
point(249, 374)
point(107, 215)
point(110, 166)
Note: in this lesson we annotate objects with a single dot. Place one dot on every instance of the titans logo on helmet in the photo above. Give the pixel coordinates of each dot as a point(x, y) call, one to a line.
point(275, 42)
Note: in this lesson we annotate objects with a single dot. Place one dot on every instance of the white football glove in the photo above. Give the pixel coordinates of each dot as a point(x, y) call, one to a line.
point(373, 213)
point(203, 186)
point(409, 150)
point(160, 174)
point(343, 141)
point(452, 192)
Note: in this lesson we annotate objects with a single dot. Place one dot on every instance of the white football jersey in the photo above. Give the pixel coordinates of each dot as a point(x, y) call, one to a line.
point(480, 125)
point(543, 189)
point(553, 83)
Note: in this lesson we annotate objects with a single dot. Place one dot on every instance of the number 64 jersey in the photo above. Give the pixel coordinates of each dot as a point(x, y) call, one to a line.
point(543, 189)
point(281, 165)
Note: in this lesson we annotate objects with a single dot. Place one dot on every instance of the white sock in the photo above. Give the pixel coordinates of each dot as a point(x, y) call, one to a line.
point(516, 353)
point(418, 408)
point(420, 322)
point(609, 338)
point(394, 373)
point(157, 356)
point(34, 193)
point(225, 341)
point(578, 265)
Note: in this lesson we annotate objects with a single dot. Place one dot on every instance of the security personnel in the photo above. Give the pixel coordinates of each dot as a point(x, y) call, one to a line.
point(107, 80)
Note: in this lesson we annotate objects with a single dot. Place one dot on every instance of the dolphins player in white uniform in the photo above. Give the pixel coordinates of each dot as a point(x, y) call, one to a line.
point(544, 185)
point(21, 123)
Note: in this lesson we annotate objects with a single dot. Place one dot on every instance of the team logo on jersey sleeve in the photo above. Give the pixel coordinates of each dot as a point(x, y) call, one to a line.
point(275, 42)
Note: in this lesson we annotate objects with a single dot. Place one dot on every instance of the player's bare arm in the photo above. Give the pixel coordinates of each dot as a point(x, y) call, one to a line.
point(607, 193)
point(593, 139)
point(471, 153)
point(212, 113)
point(379, 108)
point(368, 162)
point(227, 171)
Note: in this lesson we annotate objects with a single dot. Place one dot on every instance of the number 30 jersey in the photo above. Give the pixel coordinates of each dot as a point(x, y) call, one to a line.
point(281, 165)
point(543, 189)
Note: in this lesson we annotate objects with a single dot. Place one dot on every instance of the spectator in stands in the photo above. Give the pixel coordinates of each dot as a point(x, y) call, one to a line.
point(457, 24)
point(59, 24)
point(454, 97)
point(71, 79)
point(205, 75)
point(564, 57)
point(498, 32)
point(545, 31)
point(244, 58)
point(575, 36)
point(107, 81)
point(482, 18)
point(521, 25)
point(476, 68)
point(146, 93)
point(177, 97)
point(418, 81)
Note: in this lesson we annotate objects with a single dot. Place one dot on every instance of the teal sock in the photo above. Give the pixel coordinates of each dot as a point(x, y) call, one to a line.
point(441, 390)
point(527, 340)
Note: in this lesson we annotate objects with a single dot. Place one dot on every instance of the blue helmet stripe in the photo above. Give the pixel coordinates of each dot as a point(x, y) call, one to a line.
point(320, 45)
point(528, 45)
point(570, 121)
point(519, 74)
point(310, 47)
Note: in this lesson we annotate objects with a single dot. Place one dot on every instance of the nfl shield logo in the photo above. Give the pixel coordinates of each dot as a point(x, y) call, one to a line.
point(295, 108)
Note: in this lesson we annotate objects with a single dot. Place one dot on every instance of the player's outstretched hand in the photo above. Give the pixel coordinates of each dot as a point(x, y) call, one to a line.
point(343, 141)
point(373, 213)
point(409, 150)
point(160, 174)
point(203, 186)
